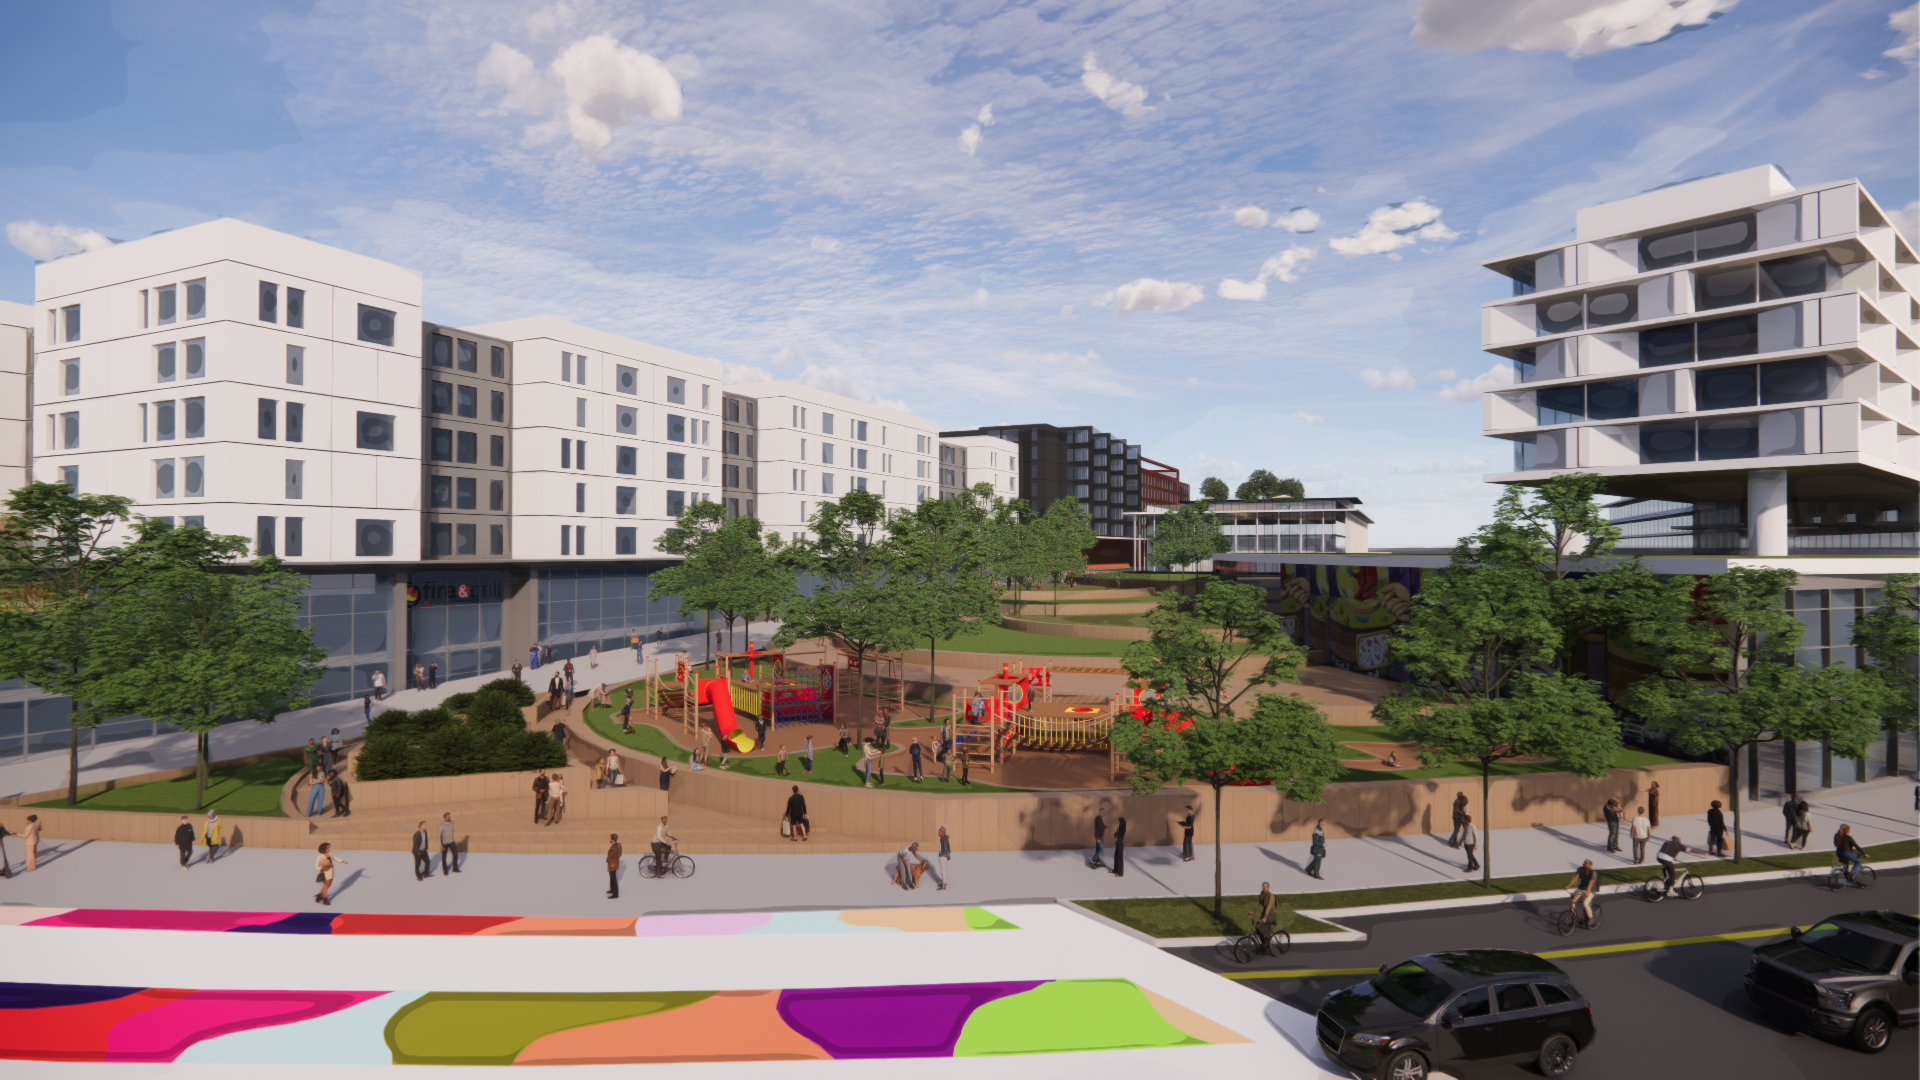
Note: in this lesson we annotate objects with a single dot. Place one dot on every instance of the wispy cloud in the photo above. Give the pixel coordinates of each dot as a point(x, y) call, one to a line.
point(1394, 379)
point(1284, 266)
point(43, 241)
point(1310, 419)
point(1394, 226)
point(1500, 374)
point(1128, 99)
point(1300, 219)
point(1906, 23)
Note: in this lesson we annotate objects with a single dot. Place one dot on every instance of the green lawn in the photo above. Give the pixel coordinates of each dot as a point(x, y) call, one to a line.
point(241, 791)
point(1184, 916)
point(829, 765)
point(999, 639)
point(1624, 758)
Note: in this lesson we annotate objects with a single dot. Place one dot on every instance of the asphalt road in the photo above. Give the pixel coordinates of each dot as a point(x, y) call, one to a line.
point(1679, 1010)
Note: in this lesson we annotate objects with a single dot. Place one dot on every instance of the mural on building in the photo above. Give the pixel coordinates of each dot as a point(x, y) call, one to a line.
point(1346, 611)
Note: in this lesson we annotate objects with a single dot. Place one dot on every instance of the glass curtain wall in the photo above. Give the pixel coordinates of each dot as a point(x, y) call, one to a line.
point(453, 622)
point(583, 607)
point(349, 615)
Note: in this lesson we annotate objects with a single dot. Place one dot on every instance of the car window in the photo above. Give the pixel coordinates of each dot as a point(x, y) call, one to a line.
point(1473, 1003)
point(1552, 993)
point(1513, 997)
point(1851, 946)
point(1413, 988)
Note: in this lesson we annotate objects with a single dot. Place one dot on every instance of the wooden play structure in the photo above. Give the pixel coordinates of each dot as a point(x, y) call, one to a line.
point(771, 685)
point(1015, 710)
point(882, 675)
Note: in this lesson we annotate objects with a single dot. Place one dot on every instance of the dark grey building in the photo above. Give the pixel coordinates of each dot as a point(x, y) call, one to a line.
point(1099, 469)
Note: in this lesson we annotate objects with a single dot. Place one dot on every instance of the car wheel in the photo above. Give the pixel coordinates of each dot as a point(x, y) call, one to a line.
point(1557, 1056)
point(1405, 1065)
point(1873, 1031)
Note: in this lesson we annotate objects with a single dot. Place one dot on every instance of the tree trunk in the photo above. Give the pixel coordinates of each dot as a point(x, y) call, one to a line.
point(1486, 823)
point(860, 696)
point(1893, 748)
point(1733, 796)
point(73, 765)
point(1216, 853)
point(933, 675)
point(200, 771)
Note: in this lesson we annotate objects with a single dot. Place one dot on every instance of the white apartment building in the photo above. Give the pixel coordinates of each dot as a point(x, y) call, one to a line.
point(970, 460)
point(16, 360)
point(1739, 356)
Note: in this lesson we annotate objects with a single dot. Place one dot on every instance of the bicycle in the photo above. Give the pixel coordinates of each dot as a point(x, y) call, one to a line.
point(1861, 878)
point(1685, 882)
point(1570, 918)
point(653, 866)
point(1248, 946)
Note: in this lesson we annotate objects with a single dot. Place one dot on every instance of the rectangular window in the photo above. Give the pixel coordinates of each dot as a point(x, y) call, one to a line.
point(143, 422)
point(440, 444)
point(269, 418)
point(296, 365)
point(166, 299)
point(440, 536)
point(566, 540)
point(69, 377)
point(579, 539)
point(468, 356)
point(566, 453)
point(296, 479)
point(676, 466)
point(676, 502)
point(296, 308)
point(826, 483)
point(859, 459)
point(466, 402)
point(676, 428)
point(625, 540)
point(579, 498)
point(263, 530)
point(749, 478)
point(749, 446)
point(164, 368)
point(730, 442)
point(193, 521)
point(196, 358)
point(580, 453)
point(626, 500)
point(497, 450)
point(704, 398)
point(703, 468)
point(375, 325)
point(580, 376)
point(296, 422)
point(496, 540)
point(196, 418)
point(196, 477)
point(626, 420)
point(70, 476)
point(626, 380)
point(497, 410)
point(826, 453)
point(441, 351)
point(440, 397)
point(579, 412)
point(859, 483)
point(566, 367)
point(497, 366)
point(860, 430)
point(626, 461)
point(826, 423)
point(730, 409)
point(269, 302)
point(70, 431)
point(496, 495)
point(296, 537)
point(676, 391)
point(163, 478)
point(463, 540)
point(163, 413)
point(197, 298)
point(439, 492)
point(465, 497)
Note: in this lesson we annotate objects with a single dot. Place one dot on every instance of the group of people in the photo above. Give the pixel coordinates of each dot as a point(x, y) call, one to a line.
point(549, 797)
point(183, 837)
point(908, 865)
point(449, 850)
point(323, 779)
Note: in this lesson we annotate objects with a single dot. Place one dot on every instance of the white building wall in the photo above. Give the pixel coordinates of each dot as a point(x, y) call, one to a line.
point(987, 459)
point(801, 463)
point(121, 385)
point(16, 359)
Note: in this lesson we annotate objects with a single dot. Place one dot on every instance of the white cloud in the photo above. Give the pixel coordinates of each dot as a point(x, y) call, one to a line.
point(1907, 220)
point(1310, 419)
point(1394, 226)
point(970, 139)
point(1232, 289)
point(846, 384)
point(1152, 294)
point(1575, 27)
point(1446, 373)
point(824, 243)
point(1252, 217)
point(1431, 466)
point(1907, 23)
point(1284, 266)
point(1297, 220)
point(1125, 98)
point(741, 375)
point(1066, 311)
point(789, 357)
point(1058, 361)
point(1397, 379)
point(527, 90)
point(607, 84)
point(979, 297)
point(985, 116)
point(42, 241)
point(1471, 389)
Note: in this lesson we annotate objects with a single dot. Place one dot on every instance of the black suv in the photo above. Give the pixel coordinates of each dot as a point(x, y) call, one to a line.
point(1851, 975)
point(1454, 1009)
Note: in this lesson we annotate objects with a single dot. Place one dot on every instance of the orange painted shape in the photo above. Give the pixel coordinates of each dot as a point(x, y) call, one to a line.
point(938, 920)
point(733, 1025)
point(559, 926)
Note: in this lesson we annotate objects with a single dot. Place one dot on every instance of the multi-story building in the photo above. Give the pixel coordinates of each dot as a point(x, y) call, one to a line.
point(16, 362)
point(1160, 484)
point(1278, 529)
point(1738, 356)
point(967, 461)
point(1100, 470)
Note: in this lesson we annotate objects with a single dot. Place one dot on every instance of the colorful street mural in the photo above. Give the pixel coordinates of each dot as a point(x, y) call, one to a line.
point(59, 1022)
point(1349, 611)
point(932, 920)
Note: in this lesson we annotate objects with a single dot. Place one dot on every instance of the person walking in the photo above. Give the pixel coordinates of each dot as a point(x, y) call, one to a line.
point(1459, 817)
point(1120, 847)
point(533, 657)
point(449, 846)
point(780, 761)
point(613, 866)
point(342, 796)
point(419, 675)
point(633, 639)
point(1317, 849)
point(1614, 815)
point(1653, 804)
point(806, 756)
point(1716, 829)
point(422, 855)
point(316, 794)
point(32, 837)
point(310, 758)
point(943, 754)
point(211, 835)
point(1469, 839)
point(945, 855)
point(433, 675)
point(183, 839)
point(1802, 822)
point(366, 708)
point(323, 865)
point(614, 775)
point(626, 713)
point(556, 799)
point(966, 770)
point(1186, 836)
point(542, 787)
point(797, 822)
point(846, 738)
point(1787, 815)
point(380, 685)
point(516, 669)
point(593, 657)
point(666, 773)
point(1640, 831)
point(1099, 840)
point(868, 756)
point(326, 751)
point(913, 752)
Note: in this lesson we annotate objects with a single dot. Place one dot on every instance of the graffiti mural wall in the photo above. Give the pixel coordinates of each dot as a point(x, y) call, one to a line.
point(1345, 611)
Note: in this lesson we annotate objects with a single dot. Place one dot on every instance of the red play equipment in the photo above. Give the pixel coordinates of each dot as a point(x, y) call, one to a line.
point(719, 694)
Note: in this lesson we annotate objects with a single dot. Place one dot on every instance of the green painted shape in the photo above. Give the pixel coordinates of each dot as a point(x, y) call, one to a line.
point(1066, 1016)
point(492, 1029)
point(982, 919)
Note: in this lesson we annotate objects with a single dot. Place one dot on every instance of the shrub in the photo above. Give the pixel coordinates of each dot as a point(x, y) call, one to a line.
point(487, 733)
point(516, 691)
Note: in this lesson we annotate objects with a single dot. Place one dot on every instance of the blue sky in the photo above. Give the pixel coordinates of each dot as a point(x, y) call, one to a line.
point(1247, 235)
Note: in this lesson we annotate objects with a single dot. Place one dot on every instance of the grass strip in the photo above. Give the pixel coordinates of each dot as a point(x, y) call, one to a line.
point(1556, 954)
point(1192, 916)
point(251, 790)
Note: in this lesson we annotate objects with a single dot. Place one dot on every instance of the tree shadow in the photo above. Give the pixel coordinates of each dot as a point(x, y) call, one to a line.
point(1282, 859)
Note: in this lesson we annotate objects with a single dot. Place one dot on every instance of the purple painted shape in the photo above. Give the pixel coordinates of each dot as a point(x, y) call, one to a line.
point(162, 1033)
point(16, 995)
point(890, 1021)
point(137, 919)
point(300, 922)
point(723, 924)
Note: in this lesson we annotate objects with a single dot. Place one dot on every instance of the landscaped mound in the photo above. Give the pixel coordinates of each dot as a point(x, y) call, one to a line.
point(477, 732)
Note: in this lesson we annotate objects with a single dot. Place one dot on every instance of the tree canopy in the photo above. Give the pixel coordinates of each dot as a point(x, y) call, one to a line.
point(1214, 489)
point(1187, 535)
point(1261, 485)
point(1207, 652)
point(945, 548)
point(727, 566)
point(1890, 634)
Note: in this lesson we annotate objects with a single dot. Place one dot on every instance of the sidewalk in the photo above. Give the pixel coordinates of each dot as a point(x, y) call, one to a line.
point(99, 874)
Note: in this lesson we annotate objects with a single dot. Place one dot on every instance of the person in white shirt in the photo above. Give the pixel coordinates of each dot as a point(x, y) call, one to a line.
point(904, 863)
point(663, 840)
point(1642, 831)
point(556, 798)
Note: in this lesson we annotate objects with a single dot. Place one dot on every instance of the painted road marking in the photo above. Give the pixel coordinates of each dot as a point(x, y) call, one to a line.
point(1557, 954)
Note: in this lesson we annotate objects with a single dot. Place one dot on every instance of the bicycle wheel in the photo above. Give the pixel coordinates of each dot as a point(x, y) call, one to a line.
point(1566, 923)
point(1836, 879)
point(1864, 876)
point(1243, 949)
point(1594, 924)
point(1279, 943)
point(682, 866)
point(1652, 892)
point(1691, 888)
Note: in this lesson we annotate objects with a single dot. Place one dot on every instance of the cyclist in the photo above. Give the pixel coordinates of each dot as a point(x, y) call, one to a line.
point(1668, 852)
point(1263, 926)
point(1849, 850)
point(1585, 885)
point(663, 842)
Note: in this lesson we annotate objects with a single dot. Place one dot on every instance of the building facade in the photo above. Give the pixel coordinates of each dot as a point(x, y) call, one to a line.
point(967, 461)
point(1101, 470)
point(1265, 534)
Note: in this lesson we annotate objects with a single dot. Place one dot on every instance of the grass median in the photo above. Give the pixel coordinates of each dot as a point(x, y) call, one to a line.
point(251, 790)
point(1192, 916)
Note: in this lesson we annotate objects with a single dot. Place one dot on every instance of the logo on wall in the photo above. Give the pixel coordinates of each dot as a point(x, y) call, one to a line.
point(464, 592)
point(413, 595)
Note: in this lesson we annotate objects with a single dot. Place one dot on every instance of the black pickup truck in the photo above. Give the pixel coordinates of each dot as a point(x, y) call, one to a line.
point(1852, 975)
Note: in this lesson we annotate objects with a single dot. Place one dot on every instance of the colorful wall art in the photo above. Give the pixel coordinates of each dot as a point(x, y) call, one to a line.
point(932, 920)
point(59, 1022)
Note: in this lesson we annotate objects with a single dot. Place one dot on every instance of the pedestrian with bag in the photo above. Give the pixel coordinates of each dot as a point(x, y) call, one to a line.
point(1469, 839)
point(212, 835)
point(1614, 815)
point(1640, 831)
point(422, 854)
point(324, 875)
point(1317, 849)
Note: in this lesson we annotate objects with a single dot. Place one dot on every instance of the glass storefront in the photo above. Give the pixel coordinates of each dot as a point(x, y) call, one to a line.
point(582, 607)
point(349, 615)
point(453, 621)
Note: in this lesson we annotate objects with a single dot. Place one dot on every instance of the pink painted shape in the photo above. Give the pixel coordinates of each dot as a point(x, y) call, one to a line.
point(28, 916)
point(162, 1033)
point(717, 925)
point(140, 919)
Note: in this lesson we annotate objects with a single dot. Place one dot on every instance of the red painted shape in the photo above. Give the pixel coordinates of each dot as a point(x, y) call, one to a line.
point(74, 1032)
point(417, 925)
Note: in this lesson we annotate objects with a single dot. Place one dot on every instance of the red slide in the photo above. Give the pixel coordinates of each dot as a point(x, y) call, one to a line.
point(719, 694)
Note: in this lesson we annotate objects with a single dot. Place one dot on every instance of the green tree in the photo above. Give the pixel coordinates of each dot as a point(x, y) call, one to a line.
point(1059, 541)
point(1261, 486)
point(57, 571)
point(1722, 648)
point(1187, 534)
point(860, 603)
point(1200, 647)
point(199, 639)
point(726, 566)
point(1285, 741)
point(1890, 633)
point(945, 548)
point(1214, 489)
point(1481, 637)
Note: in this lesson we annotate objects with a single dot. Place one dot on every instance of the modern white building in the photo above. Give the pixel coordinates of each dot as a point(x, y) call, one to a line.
point(1739, 357)
point(16, 361)
point(968, 461)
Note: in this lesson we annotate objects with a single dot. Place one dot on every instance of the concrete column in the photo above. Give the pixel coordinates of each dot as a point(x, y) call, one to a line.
point(1767, 512)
